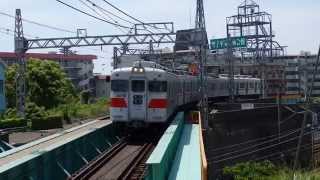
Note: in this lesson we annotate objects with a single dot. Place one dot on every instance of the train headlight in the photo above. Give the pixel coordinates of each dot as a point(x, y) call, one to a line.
point(138, 70)
point(135, 69)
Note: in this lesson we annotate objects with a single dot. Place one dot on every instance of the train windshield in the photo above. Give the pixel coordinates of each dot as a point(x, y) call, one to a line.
point(138, 85)
point(157, 86)
point(119, 85)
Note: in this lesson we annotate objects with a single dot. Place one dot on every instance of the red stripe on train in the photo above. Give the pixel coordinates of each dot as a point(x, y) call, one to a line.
point(118, 103)
point(158, 103)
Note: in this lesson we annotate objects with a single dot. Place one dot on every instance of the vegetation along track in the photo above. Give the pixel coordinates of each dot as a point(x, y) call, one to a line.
point(125, 160)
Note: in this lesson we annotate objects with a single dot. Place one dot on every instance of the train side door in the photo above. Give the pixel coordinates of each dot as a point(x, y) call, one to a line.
point(138, 100)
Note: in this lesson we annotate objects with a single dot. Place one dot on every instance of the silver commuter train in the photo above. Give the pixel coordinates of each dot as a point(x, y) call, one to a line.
point(148, 93)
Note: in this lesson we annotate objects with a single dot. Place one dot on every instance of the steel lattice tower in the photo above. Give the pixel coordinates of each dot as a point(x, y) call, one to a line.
point(20, 49)
point(200, 25)
point(200, 19)
point(256, 26)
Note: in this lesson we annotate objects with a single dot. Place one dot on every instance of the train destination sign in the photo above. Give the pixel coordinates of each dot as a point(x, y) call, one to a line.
point(236, 42)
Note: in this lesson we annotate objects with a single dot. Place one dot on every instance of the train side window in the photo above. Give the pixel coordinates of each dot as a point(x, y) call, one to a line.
point(119, 85)
point(138, 85)
point(157, 86)
point(242, 85)
point(251, 85)
point(213, 86)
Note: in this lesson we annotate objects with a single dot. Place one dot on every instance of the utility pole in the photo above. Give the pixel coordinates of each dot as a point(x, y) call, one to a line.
point(200, 26)
point(308, 101)
point(231, 69)
point(20, 47)
point(115, 58)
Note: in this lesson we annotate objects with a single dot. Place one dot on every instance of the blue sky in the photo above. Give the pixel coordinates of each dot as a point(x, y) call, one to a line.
point(295, 22)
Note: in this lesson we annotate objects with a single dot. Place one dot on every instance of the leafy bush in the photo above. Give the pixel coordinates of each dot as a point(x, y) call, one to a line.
point(251, 170)
point(10, 120)
point(34, 112)
point(10, 113)
point(84, 96)
point(50, 122)
point(12, 123)
point(76, 110)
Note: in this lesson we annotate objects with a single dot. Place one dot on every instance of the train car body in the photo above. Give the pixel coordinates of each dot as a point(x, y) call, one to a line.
point(147, 93)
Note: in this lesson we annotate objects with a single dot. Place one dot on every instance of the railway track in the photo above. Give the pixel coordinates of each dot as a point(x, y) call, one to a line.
point(125, 160)
point(137, 168)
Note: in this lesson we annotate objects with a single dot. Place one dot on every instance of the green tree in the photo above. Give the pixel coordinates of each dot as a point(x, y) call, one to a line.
point(11, 85)
point(47, 84)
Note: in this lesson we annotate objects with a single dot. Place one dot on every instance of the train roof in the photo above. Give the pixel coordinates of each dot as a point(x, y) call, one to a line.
point(226, 76)
point(129, 69)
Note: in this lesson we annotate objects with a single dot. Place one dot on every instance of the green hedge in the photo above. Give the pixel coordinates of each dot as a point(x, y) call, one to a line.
point(12, 123)
point(50, 122)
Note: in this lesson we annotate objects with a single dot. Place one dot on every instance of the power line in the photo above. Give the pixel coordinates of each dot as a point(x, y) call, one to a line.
point(307, 146)
point(269, 156)
point(212, 149)
point(258, 150)
point(8, 33)
point(106, 11)
point(95, 17)
point(39, 24)
point(101, 15)
point(13, 32)
point(123, 12)
point(257, 145)
point(224, 148)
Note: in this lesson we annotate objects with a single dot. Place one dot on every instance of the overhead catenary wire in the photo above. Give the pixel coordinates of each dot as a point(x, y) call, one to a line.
point(115, 7)
point(258, 144)
point(81, 1)
point(108, 13)
point(257, 150)
point(113, 14)
point(269, 156)
point(95, 17)
point(127, 14)
point(39, 24)
point(103, 20)
point(279, 153)
point(8, 33)
point(213, 149)
point(8, 30)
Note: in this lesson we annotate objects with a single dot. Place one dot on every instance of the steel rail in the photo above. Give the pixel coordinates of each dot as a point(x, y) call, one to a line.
point(90, 169)
point(132, 171)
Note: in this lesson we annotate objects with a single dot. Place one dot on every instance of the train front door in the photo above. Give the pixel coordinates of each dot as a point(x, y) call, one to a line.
point(138, 100)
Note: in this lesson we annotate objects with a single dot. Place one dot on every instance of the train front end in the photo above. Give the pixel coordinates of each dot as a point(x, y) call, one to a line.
point(139, 96)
